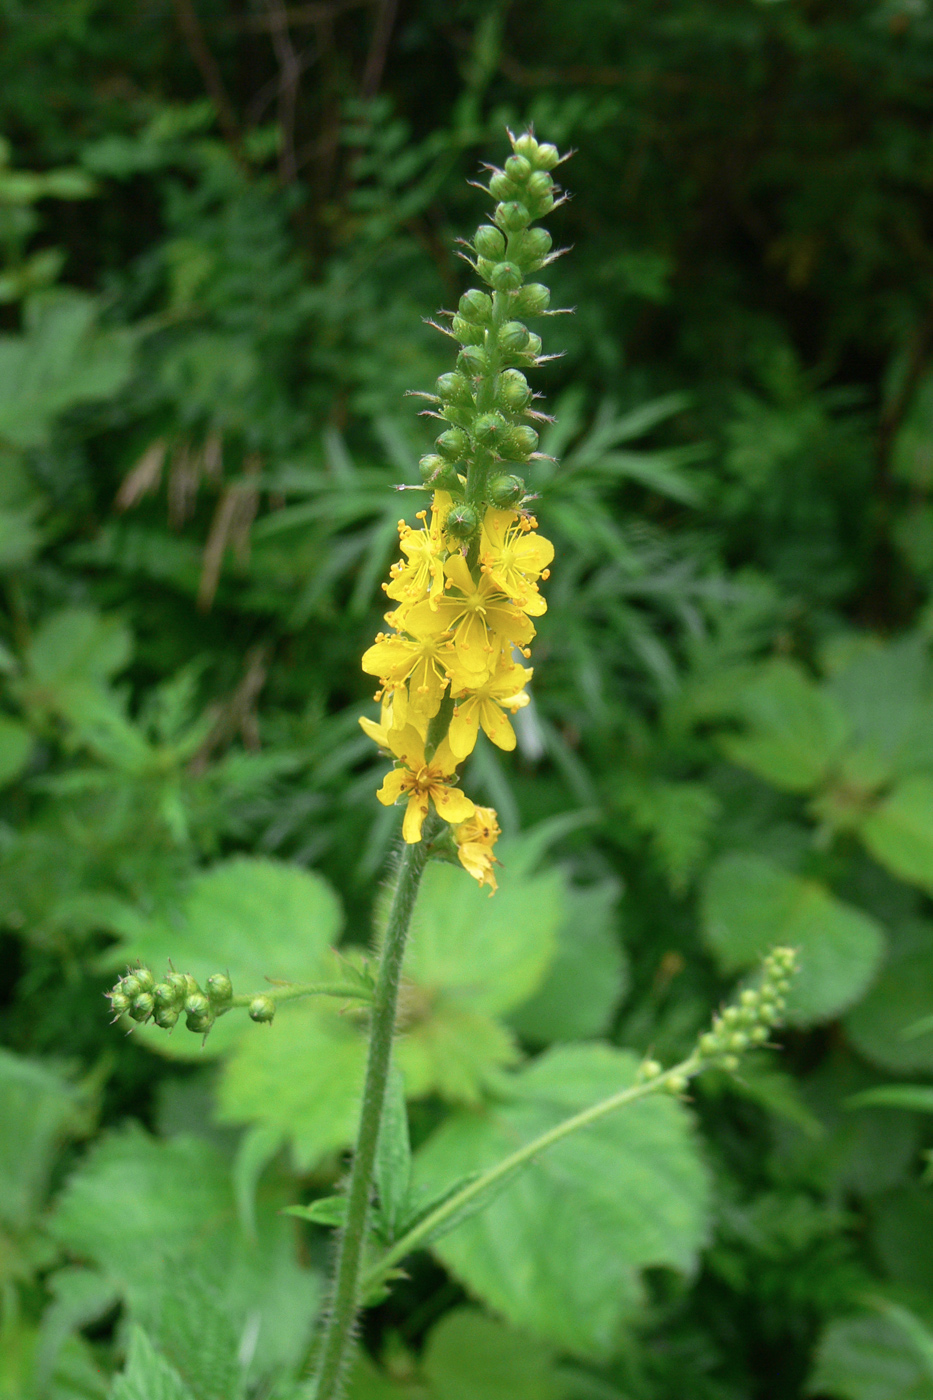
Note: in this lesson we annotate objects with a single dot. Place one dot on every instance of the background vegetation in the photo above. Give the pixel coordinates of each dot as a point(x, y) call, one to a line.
point(222, 224)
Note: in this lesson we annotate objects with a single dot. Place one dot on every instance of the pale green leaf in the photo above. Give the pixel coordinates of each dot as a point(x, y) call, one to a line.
point(899, 831)
point(251, 917)
point(472, 1357)
point(886, 692)
point(393, 1157)
point(559, 1249)
point(865, 1358)
point(76, 645)
point(147, 1375)
point(495, 951)
point(329, 1210)
point(795, 729)
point(196, 1333)
point(750, 905)
point(588, 976)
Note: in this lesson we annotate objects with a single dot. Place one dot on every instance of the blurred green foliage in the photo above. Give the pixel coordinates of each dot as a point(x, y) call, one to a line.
point(222, 224)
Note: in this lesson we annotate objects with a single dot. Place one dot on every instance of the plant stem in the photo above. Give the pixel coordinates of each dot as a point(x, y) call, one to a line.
point(347, 1291)
point(345, 990)
point(494, 1175)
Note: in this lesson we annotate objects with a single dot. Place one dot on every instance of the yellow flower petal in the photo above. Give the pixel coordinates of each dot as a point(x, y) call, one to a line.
point(393, 786)
point(415, 813)
point(452, 804)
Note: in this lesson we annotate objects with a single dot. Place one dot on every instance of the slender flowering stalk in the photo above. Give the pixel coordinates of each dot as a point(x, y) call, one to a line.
point(467, 587)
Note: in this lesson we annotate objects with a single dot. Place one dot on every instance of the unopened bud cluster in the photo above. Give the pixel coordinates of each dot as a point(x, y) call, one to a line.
point(140, 997)
point(487, 399)
point(749, 1021)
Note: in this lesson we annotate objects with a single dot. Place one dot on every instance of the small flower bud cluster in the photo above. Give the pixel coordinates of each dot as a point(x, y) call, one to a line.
point(467, 590)
point(139, 996)
point(748, 1022)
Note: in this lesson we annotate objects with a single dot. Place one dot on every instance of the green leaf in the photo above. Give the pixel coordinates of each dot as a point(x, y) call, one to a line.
point(251, 917)
point(149, 1212)
point(393, 1157)
point(147, 1375)
point(864, 1358)
point(899, 831)
point(878, 1026)
point(78, 647)
point(329, 1210)
point(886, 692)
point(588, 976)
point(62, 360)
point(917, 1098)
point(44, 1109)
point(196, 1334)
point(749, 905)
point(558, 1250)
point(472, 1357)
point(795, 729)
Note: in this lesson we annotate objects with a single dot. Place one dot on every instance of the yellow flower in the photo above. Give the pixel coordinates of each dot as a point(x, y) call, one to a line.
point(423, 575)
point(514, 558)
point(420, 661)
point(478, 618)
point(475, 839)
point(481, 706)
point(421, 780)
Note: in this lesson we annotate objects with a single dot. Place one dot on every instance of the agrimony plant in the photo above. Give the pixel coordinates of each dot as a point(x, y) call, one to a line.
point(465, 595)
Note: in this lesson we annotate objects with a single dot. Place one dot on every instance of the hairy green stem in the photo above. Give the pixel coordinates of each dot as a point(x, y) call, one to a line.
point(289, 991)
point(347, 1290)
point(494, 1175)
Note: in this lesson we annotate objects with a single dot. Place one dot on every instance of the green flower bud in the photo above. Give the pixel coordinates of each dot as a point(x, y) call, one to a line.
point(197, 1004)
point(526, 145)
point(533, 349)
point(539, 185)
point(454, 388)
point(730, 1062)
point(750, 998)
point(142, 1006)
point(532, 300)
point(490, 429)
point(466, 332)
point(473, 360)
point(453, 445)
point(165, 994)
point(435, 472)
point(649, 1069)
point(462, 521)
point(130, 986)
point(475, 306)
point(512, 390)
point(518, 168)
point(676, 1084)
point(179, 982)
point(489, 243)
point(513, 337)
point(520, 442)
point(219, 989)
point(513, 216)
point(546, 156)
point(506, 276)
point(262, 1008)
point(144, 978)
point(535, 246)
point(166, 1017)
point(506, 491)
point(758, 1035)
point(738, 1042)
point(191, 985)
point(709, 1045)
point(118, 1003)
point(501, 187)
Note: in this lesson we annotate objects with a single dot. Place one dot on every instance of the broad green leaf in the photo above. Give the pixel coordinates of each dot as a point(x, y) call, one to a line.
point(80, 1296)
point(494, 951)
point(899, 831)
point(196, 1333)
point(901, 1230)
point(251, 917)
point(19, 538)
point(750, 905)
point(45, 1111)
point(558, 1250)
point(866, 1358)
point(588, 976)
point(302, 1075)
point(146, 1212)
point(878, 1026)
point(77, 646)
point(795, 729)
point(886, 692)
point(472, 1357)
point(147, 1375)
